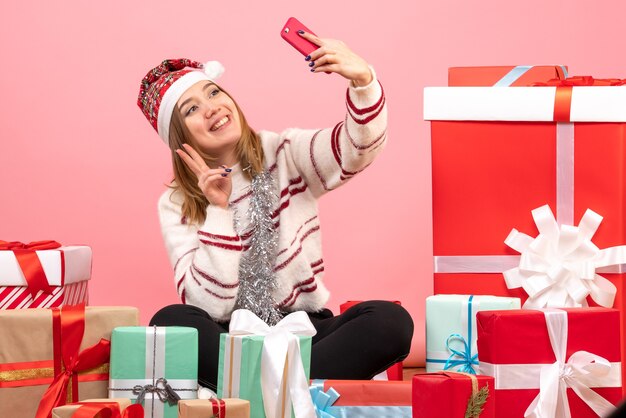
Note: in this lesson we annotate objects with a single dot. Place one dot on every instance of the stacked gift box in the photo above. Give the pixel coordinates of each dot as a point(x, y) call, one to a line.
point(59, 358)
point(508, 146)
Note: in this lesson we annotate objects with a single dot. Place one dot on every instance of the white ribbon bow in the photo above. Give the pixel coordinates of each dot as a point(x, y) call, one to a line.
point(558, 267)
point(583, 369)
point(283, 379)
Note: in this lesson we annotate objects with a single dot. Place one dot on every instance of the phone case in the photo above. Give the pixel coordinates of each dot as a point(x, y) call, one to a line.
point(290, 34)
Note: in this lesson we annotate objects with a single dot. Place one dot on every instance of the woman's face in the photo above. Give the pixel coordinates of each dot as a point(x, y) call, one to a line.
point(211, 117)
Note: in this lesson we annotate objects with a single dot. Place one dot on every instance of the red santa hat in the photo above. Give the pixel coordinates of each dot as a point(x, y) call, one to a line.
point(163, 85)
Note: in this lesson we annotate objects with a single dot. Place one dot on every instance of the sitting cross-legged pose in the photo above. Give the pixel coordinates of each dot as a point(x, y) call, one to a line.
point(240, 218)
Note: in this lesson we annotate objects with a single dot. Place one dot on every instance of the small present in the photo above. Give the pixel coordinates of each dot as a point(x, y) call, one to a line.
point(99, 408)
point(453, 395)
point(154, 366)
point(55, 355)
point(395, 371)
point(268, 366)
point(43, 274)
point(451, 329)
point(361, 398)
point(569, 356)
point(216, 408)
point(504, 76)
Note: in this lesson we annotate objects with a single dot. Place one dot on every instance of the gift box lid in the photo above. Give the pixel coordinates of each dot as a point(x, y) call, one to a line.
point(521, 336)
point(504, 75)
point(369, 392)
point(63, 265)
point(529, 104)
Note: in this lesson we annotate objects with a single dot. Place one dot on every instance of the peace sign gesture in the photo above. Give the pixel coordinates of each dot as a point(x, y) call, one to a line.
point(216, 183)
point(335, 56)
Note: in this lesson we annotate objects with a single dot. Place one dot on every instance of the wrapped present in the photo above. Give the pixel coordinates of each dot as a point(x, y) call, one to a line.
point(504, 76)
point(269, 366)
point(56, 356)
point(99, 408)
point(154, 366)
point(571, 357)
point(451, 329)
point(43, 274)
point(453, 395)
point(217, 408)
point(395, 371)
point(499, 153)
point(361, 398)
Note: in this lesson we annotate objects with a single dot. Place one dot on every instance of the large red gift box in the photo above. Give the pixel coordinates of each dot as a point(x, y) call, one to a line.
point(446, 394)
point(43, 274)
point(515, 345)
point(498, 153)
point(502, 75)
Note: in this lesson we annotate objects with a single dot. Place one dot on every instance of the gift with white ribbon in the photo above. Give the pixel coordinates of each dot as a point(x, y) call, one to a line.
point(519, 109)
point(535, 356)
point(256, 359)
point(558, 267)
point(451, 329)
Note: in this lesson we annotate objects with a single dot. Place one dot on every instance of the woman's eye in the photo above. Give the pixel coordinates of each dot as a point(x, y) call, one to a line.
point(214, 92)
point(190, 110)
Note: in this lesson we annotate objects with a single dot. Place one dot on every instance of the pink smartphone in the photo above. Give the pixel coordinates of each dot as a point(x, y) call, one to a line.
point(290, 34)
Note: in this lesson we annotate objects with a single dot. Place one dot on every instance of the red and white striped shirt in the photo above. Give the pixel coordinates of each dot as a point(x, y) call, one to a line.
point(306, 164)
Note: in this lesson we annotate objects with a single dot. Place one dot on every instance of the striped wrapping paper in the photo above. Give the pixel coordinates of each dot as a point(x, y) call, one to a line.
point(67, 269)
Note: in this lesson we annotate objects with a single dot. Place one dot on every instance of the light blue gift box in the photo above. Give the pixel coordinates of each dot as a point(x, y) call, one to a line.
point(451, 329)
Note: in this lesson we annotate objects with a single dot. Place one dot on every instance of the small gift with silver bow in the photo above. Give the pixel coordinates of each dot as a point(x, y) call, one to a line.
point(155, 367)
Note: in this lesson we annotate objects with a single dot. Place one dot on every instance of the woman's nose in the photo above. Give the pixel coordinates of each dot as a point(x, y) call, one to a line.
point(209, 111)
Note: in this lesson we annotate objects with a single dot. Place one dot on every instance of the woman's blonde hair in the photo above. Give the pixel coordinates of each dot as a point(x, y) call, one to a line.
point(249, 155)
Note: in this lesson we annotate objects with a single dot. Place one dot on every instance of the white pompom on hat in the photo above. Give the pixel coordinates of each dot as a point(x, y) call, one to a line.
point(163, 85)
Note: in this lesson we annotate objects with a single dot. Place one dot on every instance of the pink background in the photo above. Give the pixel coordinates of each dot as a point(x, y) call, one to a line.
point(80, 164)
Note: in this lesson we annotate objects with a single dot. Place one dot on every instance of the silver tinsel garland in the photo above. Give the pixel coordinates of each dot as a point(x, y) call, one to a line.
point(256, 268)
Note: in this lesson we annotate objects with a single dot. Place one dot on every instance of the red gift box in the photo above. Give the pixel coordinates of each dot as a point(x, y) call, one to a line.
point(358, 398)
point(519, 349)
point(394, 372)
point(521, 75)
point(446, 395)
point(497, 154)
point(43, 274)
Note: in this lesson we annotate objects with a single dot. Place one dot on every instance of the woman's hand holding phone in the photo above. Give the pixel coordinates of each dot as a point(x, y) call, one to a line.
point(328, 55)
point(335, 56)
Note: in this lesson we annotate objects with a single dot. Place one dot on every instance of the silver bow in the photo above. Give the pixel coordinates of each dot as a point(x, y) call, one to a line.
point(165, 392)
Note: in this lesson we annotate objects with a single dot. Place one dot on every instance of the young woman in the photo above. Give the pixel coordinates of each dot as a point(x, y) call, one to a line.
point(240, 220)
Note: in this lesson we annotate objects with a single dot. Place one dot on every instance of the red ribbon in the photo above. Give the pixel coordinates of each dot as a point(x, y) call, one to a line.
point(30, 264)
point(68, 326)
point(563, 97)
point(219, 408)
point(107, 410)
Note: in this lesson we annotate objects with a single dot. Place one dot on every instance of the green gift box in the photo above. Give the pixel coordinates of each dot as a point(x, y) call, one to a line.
point(150, 362)
point(239, 373)
point(451, 329)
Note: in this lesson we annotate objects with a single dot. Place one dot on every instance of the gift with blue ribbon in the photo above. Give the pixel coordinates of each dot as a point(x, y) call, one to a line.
point(361, 398)
point(451, 329)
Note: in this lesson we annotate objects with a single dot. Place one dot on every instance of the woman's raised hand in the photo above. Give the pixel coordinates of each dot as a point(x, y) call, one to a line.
point(214, 183)
point(335, 56)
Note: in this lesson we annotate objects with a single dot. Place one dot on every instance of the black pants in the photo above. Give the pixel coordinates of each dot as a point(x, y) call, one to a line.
point(358, 344)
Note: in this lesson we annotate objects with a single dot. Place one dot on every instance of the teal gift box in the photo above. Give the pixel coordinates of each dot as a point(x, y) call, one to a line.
point(268, 366)
point(239, 373)
point(150, 363)
point(451, 329)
